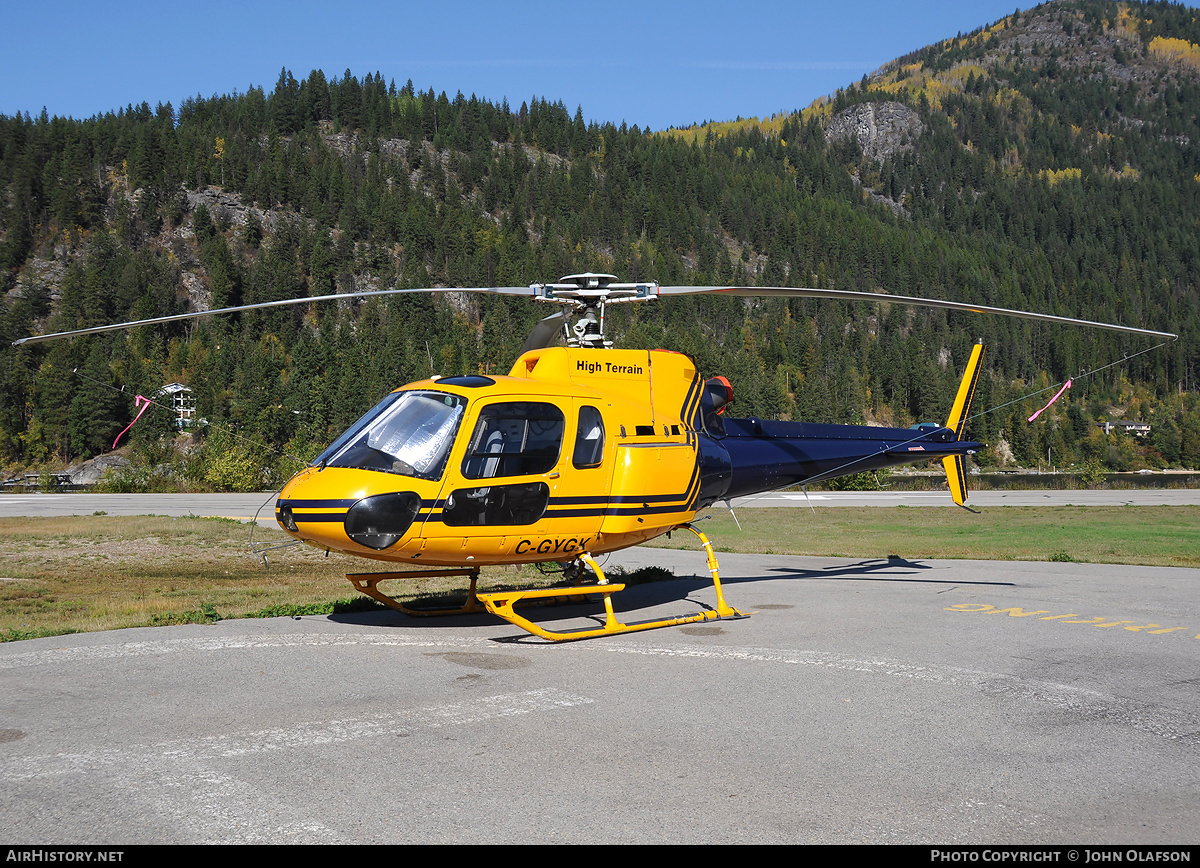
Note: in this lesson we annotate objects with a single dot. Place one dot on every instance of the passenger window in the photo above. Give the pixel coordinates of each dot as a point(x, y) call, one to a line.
point(589, 439)
point(515, 504)
point(514, 439)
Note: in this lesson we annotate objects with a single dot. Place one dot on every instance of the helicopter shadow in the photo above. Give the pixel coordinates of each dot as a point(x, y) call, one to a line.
point(890, 569)
point(650, 598)
point(679, 592)
point(577, 605)
point(383, 617)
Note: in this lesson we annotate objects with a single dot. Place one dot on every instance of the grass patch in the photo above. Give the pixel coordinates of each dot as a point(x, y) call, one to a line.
point(640, 576)
point(86, 573)
point(1148, 535)
point(76, 574)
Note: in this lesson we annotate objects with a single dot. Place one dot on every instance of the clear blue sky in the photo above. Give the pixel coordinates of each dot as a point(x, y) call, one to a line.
point(654, 64)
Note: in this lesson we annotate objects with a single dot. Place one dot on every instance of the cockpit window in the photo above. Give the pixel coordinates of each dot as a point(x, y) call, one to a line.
point(514, 439)
point(408, 433)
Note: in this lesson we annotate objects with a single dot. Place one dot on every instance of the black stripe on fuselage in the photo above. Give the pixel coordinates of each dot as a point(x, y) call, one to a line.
point(558, 507)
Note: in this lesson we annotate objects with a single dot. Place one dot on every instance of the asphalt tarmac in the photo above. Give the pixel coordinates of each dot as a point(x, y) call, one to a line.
point(862, 702)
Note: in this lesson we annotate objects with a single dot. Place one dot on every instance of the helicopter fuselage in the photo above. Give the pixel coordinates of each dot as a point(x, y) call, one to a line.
point(576, 450)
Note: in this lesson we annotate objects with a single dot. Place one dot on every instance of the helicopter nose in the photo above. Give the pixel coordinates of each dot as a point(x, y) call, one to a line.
point(380, 521)
point(309, 508)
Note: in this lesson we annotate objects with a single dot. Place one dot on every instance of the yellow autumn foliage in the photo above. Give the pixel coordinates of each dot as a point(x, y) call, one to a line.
point(1127, 23)
point(696, 133)
point(1053, 176)
point(1175, 50)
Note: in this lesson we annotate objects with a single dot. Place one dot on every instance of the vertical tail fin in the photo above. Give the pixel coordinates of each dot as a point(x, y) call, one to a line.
point(956, 476)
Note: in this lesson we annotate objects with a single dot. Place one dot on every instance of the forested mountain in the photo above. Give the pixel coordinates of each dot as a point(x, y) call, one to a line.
point(1050, 161)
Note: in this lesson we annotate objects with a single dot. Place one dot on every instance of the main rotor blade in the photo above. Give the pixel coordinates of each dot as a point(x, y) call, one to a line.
point(499, 290)
point(847, 295)
point(544, 332)
point(531, 291)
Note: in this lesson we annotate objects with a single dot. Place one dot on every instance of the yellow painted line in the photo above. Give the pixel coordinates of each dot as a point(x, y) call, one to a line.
point(1067, 618)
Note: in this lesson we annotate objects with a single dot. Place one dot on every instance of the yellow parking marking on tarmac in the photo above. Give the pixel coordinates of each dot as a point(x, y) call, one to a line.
point(1068, 618)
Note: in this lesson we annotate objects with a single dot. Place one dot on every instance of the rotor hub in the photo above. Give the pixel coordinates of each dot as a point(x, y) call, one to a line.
point(587, 294)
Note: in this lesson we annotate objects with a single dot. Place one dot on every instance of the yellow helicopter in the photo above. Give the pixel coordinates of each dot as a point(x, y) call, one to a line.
point(579, 451)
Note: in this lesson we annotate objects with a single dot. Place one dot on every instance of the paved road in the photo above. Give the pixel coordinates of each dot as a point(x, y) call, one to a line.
point(878, 701)
point(242, 506)
point(245, 506)
point(978, 499)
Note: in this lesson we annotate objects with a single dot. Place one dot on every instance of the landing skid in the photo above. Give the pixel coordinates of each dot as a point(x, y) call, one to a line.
point(503, 603)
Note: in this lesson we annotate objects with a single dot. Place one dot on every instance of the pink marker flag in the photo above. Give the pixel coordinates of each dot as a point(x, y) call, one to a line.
point(142, 402)
point(1039, 412)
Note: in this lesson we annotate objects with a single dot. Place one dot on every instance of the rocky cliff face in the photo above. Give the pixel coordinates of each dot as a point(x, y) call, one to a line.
point(882, 129)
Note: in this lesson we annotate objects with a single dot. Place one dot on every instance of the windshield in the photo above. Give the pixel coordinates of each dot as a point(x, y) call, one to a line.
point(408, 433)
